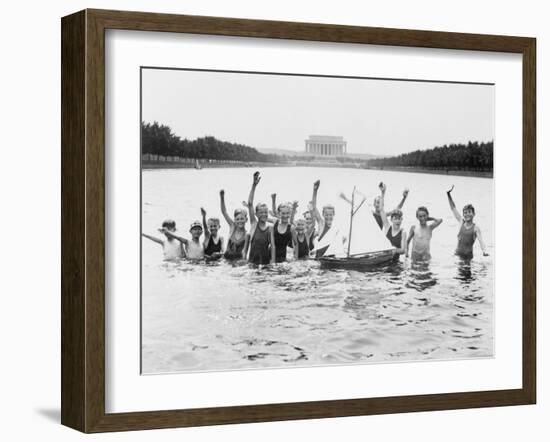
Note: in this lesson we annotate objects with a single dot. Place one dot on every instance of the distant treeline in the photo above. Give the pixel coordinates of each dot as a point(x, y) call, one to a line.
point(473, 156)
point(159, 139)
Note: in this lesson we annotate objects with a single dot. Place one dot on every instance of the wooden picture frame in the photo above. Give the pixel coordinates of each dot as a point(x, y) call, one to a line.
point(83, 210)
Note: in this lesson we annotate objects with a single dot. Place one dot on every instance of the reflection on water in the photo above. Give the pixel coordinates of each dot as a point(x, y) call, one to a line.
point(299, 314)
point(220, 315)
point(420, 276)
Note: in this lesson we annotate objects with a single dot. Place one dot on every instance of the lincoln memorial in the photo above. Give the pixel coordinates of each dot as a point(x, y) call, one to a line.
point(326, 145)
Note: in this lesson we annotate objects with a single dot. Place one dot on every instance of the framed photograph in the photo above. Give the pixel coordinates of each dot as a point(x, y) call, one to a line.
point(268, 221)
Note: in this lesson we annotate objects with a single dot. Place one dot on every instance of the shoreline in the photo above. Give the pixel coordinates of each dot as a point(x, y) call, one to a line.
point(169, 165)
point(470, 173)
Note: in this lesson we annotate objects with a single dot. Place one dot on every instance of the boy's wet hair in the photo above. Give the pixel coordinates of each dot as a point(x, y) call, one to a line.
point(469, 207)
point(396, 214)
point(422, 209)
point(328, 207)
point(169, 224)
point(240, 212)
point(214, 220)
point(287, 205)
point(260, 205)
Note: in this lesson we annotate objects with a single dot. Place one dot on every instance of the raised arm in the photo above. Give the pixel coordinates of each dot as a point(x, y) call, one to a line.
point(310, 211)
point(255, 181)
point(401, 203)
point(385, 221)
point(176, 237)
point(246, 246)
point(315, 210)
point(453, 206)
point(152, 238)
point(481, 242)
point(274, 205)
point(293, 214)
point(224, 208)
point(436, 222)
point(205, 225)
point(403, 199)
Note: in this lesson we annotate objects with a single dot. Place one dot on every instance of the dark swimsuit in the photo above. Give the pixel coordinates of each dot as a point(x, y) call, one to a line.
point(259, 247)
point(303, 248)
point(395, 241)
point(235, 248)
point(282, 241)
point(212, 247)
point(466, 240)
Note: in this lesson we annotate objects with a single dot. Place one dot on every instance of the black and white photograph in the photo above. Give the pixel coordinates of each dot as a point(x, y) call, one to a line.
point(302, 220)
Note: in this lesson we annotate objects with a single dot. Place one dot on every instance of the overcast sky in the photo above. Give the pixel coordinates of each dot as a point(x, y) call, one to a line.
point(385, 117)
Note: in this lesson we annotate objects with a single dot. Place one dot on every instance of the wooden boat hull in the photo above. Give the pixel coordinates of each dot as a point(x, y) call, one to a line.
point(363, 261)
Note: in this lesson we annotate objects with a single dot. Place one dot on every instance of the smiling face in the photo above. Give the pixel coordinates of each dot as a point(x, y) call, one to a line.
point(300, 226)
point(213, 226)
point(284, 213)
point(376, 204)
point(240, 219)
point(308, 219)
point(328, 215)
point(422, 216)
point(396, 221)
point(468, 214)
point(262, 212)
point(196, 232)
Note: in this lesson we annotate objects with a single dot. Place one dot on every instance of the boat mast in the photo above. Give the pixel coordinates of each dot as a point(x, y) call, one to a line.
point(351, 219)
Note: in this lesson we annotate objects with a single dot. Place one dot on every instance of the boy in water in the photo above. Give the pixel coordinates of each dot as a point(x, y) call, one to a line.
point(194, 247)
point(171, 247)
point(310, 225)
point(213, 243)
point(421, 235)
point(301, 241)
point(468, 232)
point(274, 212)
point(281, 234)
point(394, 232)
point(260, 231)
point(376, 212)
point(325, 221)
point(237, 243)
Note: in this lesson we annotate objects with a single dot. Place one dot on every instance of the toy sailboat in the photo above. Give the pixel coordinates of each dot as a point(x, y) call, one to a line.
point(363, 248)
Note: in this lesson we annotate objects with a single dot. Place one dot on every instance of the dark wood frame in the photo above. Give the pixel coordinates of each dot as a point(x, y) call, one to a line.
point(83, 220)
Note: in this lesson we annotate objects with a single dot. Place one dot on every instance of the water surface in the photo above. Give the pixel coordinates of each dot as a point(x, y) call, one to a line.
point(221, 316)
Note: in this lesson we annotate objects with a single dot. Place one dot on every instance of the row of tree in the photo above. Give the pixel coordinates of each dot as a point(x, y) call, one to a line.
point(473, 156)
point(159, 139)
